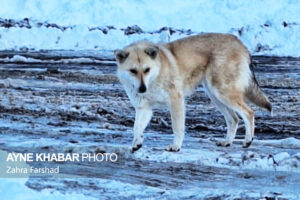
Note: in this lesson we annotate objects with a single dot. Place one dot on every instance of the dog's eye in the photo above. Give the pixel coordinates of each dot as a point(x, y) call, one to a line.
point(134, 71)
point(147, 70)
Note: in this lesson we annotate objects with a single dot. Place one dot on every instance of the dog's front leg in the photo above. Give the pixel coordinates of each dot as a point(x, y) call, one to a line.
point(142, 118)
point(178, 119)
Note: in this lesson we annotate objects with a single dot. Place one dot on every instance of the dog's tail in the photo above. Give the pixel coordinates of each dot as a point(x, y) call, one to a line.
point(255, 95)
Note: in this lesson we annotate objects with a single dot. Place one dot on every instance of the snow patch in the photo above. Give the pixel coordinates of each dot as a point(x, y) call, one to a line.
point(291, 143)
point(23, 59)
point(15, 188)
point(238, 159)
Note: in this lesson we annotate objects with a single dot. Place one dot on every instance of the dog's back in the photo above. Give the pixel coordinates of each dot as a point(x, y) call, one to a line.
point(196, 53)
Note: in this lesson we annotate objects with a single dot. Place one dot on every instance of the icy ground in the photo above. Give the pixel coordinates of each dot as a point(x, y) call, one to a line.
point(51, 106)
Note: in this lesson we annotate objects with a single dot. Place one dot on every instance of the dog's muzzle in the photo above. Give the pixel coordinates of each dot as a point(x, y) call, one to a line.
point(142, 88)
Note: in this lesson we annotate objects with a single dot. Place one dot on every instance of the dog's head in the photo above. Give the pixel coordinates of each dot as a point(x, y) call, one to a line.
point(138, 65)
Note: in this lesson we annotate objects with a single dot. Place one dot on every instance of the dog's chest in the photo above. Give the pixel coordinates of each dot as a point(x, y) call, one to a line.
point(157, 97)
point(154, 97)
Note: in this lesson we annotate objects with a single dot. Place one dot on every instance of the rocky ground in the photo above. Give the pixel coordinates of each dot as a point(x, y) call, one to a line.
point(81, 107)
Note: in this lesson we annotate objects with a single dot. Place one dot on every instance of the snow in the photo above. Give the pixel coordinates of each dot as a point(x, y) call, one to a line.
point(290, 142)
point(15, 188)
point(50, 83)
point(253, 161)
point(91, 30)
point(235, 159)
point(266, 27)
point(23, 59)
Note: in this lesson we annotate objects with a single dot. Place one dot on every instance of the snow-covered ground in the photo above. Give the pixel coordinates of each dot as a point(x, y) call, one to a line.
point(50, 107)
point(205, 172)
point(59, 93)
point(269, 27)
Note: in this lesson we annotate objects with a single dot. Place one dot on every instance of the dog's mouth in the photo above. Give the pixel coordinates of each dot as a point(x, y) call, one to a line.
point(141, 94)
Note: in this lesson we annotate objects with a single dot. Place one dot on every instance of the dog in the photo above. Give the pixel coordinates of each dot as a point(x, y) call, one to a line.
point(164, 74)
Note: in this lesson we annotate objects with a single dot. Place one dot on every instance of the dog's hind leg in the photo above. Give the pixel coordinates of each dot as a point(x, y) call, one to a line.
point(235, 101)
point(230, 116)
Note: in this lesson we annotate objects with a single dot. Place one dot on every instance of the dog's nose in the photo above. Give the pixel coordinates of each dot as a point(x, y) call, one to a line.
point(142, 88)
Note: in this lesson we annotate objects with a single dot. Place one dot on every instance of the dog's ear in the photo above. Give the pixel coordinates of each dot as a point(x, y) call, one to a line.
point(152, 51)
point(121, 55)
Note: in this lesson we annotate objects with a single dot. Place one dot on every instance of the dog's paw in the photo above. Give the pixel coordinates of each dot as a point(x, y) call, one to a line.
point(172, 148)
point(246, 144)
point(136, 147)
point(223, 143)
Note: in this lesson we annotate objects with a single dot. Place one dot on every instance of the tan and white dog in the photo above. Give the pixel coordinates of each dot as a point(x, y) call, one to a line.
point(163, 74)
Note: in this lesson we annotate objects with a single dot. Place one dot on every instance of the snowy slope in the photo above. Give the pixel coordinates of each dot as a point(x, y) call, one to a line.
point(266, 27)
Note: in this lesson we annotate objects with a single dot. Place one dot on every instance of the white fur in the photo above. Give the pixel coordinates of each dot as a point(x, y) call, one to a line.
point(142, 118)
